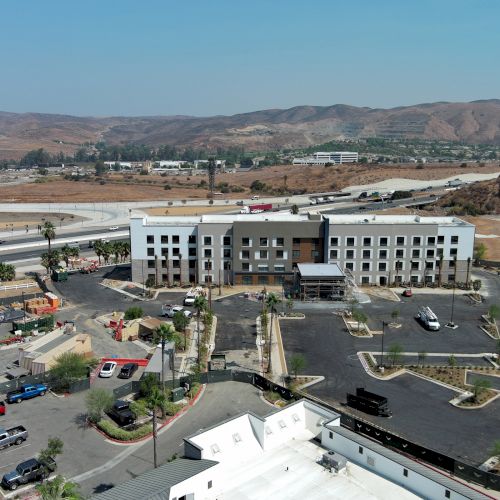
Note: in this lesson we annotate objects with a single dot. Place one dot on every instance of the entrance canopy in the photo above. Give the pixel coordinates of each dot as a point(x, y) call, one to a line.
point(321, 281)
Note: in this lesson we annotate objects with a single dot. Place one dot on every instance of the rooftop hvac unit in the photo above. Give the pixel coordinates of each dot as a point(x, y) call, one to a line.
point(332, 460)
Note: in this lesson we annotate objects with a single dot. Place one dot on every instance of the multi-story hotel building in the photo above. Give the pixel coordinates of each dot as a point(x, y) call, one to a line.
point(265, 248)
point(322, 158)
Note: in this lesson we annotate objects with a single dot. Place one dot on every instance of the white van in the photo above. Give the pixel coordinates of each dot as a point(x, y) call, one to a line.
point(428, 318)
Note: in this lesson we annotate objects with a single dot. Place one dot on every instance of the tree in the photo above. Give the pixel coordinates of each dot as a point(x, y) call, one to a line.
point(54, 448)
point(164, 333)
point(49, 260)
point(49, 233)
point(7, 272)
point(452, 360)
point(476, 285)
point(68, 367)
point(440, 275)
point(58, 488)
point(181, 322)
point(297, 363)
point(494, 312)
point(422, 355)
point(200, 304)
point(394, 353)
point(360, 317)
point(294, 209)
point(156, 401)
point(479, 386)
point(67, 252)
point(289, 304)
point(98, 400)
point(480, 251)
point(98, 249)
point(395, 315)
point(134, 312)
point(272, 301)
point(148, 384)
point(100, 168)
point(246, 162)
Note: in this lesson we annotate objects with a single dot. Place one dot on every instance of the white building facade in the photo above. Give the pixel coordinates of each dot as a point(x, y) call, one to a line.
point(322, 158)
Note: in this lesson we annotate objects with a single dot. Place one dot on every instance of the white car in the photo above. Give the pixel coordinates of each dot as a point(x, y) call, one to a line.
point(113, 228)
point(189, 299)
point(107, 369)
point(170, 311)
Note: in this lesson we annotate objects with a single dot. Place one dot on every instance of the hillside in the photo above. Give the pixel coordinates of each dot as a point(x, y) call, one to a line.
point(480, 198)
point(474, 122)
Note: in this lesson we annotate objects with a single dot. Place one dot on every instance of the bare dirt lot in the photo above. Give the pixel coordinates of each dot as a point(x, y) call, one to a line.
point(126, 187)
point(22, 219)
point(487, 227)
point(186, 210)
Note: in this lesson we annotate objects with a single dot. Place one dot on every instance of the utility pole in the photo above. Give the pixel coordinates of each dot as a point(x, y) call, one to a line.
point(209, 284)
point(212, 166)
point(382, 350)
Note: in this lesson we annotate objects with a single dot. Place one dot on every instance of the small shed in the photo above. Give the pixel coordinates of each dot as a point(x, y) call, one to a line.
point(148, 326)
point(321, 281)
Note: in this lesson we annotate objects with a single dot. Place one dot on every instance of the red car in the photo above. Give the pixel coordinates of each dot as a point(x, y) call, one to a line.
point(407, 293)
point(2, 408)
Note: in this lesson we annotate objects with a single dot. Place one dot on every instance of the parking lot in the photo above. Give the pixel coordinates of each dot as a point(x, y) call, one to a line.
point(421, 411)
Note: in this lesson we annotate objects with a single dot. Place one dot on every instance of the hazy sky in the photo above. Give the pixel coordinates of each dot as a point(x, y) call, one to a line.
point(206, 57)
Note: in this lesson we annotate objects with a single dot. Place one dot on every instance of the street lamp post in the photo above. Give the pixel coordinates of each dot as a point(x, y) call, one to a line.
point(451, 324)
point(209, 284)
point(382, 349)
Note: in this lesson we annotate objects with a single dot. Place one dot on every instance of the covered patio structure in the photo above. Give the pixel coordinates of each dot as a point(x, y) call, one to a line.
point(321, 281)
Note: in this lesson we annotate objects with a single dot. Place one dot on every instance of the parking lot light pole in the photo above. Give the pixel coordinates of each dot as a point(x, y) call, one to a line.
point(451, 324)
point(382, 349)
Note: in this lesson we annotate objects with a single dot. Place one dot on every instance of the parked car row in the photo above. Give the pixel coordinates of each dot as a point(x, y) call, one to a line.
point(126, 371)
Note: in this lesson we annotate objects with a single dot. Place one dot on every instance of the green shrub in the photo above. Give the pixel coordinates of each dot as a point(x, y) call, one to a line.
point(193, 390)
point(171, 408)
point(133, 312)
point(115, 432)
point(139, 408)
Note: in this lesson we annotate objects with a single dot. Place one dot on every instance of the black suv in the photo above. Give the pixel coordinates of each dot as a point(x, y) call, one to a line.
point(128, 370)
point(27, 472)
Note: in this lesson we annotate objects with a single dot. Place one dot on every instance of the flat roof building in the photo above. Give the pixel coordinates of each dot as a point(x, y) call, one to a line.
point(267, 248)
point(322, 158)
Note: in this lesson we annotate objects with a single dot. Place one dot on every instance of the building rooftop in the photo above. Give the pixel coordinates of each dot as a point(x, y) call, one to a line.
point(155, 484)
point(394, 219)
point(320, 270)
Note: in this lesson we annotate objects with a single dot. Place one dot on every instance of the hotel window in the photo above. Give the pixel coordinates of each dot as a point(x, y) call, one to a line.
point(383, 241)
point(245, 242)
point(405, 472)
point(280, 242)
point(453, 252)
point(227, 253)
point(175, 239)
point(382, 254)
point(365, 266)
point(429, 265)
point(263, 242)
point(207, 240)
point(382, 266)
point(151, 264)
point(209, 484)
point(430, 253)
point(295, 254)
point(164, 240)
point(451, 263)
point(400, 240)
point(431, 240)
point(367, 254)
point(314, 254)
point(440, 240)
point(192, 239)
point(263, 268)
point(279, 268)
point(151, 252)
point(349, 254)
point(367, 242)
point(415, 254)
point(164, 252)
point(415, 266)
point(360, 450)
point(207, 265)
point(263, 254)
point(150, 239)
point(245, 266)
point(176, 251)
point(334, 254)
point(349, 242)
point(350, 266)
point(454, 240)
point(400, 253)
point(417, 241)
point(296, 241)
point(227, 265)
point(334, 242)
point(280, 254)
point(226, 241)
point(207, 253)
point(245, 254)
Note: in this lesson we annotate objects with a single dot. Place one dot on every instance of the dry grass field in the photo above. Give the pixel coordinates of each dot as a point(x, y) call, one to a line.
point(120, 187)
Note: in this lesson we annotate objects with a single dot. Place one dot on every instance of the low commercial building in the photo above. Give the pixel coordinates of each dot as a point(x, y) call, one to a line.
point(298, 452)
point(322, 158)
point(267, 248)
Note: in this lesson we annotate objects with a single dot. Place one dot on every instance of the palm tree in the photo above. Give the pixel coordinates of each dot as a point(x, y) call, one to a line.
point(164, 333)
point(125, 250)
point(272, 301)
point(468, 270)
point(98, 249)
point(66, 253)
point(155, 401)
point(440, 276)
point(200, 304)
point(49, 260)
point(116, 246)
point(49, 233)
point(58, 489)
point(107, 250)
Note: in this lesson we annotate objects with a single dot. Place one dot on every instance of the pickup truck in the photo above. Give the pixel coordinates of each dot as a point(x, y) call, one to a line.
point(28, 472)
point(14, 435)
point(26, 391)
point(120, 412)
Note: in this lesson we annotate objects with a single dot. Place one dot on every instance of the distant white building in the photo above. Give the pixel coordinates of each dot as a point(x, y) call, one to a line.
point(322, 158)
point(128, 165)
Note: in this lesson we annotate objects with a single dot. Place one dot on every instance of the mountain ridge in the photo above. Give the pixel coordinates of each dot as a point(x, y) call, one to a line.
point(299, 126)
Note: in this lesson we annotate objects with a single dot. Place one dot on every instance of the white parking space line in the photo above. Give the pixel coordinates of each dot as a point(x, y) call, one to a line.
point(16, 448)
point(8, 465)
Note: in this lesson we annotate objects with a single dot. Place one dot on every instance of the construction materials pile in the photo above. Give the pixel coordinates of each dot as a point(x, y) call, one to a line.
point(47, 304)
